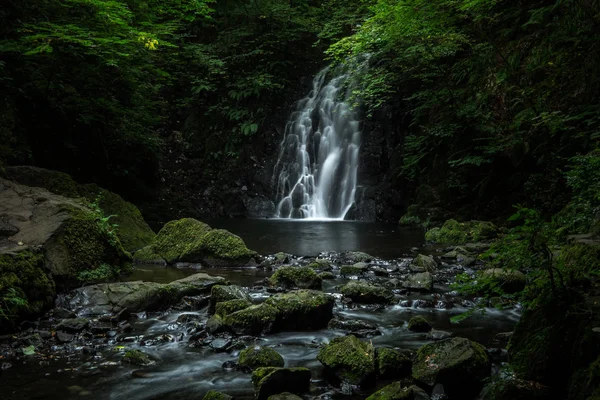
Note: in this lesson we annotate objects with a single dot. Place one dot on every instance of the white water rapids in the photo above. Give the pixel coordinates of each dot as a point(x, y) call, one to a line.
point(315, 174)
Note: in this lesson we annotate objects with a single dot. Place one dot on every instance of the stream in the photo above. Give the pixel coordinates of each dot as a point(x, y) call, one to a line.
point(89, 367)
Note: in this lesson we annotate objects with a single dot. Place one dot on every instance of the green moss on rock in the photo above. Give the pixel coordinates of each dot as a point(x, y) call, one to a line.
point(320, 265)
point(302, 309)
point(137, 357)
point(178, 237)
point(350, 359)
point(509, 281)
point(80, 245)
point(253, 320)
point(271, 381)
point(398, 391)
point(133, 231)
point(26, 288)
point(458, 363)
point(361, 292)
point(257, 357)
point(454, 232)
point(220, 248)
point(221, 293)
point(53, 181)
point(214, 395)
point(515, 389)
point(146, 255)
point(393, 364)
point(296, 277)
point(225, 308)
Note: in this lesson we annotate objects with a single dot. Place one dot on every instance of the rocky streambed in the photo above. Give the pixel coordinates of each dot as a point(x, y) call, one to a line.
point(341, 325)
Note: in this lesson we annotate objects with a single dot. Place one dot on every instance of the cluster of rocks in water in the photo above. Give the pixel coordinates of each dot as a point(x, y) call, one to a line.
point(230, 319)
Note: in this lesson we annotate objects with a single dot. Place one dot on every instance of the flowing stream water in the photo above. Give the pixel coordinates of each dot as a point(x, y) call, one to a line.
point(315, 175)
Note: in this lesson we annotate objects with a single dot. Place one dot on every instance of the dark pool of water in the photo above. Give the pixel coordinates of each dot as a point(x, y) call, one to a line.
point(309, 238)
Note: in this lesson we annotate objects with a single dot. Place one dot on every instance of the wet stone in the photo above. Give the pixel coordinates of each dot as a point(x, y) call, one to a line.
point(220, 345)
point(64, 337)
point(73, 324)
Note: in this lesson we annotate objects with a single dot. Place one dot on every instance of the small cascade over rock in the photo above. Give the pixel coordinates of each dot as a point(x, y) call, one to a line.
point(315, 174)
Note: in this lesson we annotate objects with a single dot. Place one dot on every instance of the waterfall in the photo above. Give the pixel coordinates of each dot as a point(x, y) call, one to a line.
point(315, 174)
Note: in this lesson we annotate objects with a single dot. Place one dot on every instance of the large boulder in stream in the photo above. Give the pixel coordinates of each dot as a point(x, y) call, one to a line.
point(508, 280)
point(189, 240)
point(254, 357)
point(253, 320)
point(302, 309)
point(222, 293)
point(272, 381)
point(111, 298)
point(459, 364)
point(393, 364)
point(454, 232)
point(361, 292)
point(422, 281)
point(423, 263)
point(349, 359)
point(296, 277)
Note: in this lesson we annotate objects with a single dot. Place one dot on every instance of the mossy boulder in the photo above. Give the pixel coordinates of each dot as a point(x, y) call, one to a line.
point(146, 255)
point(515, 389)
point(419, 324)
point(361, 292)
point(423, 263)
point(296, 277)
point(253, 320)
point(190, 240)
point(302, 309)
point(393, 364)
point(398, 391)
point(320, 264)
point(509, 281)
point(353, 257)
point(454, 232)
point(214, 395)
point(178, 237)
point(422, 281)
point(272, 381)
point(224, 308)
point(458, 363)
point(358, 268)
point(26, 287)
point(220, 293)
point(285, 396)
point(258, 357)
point(349, 359)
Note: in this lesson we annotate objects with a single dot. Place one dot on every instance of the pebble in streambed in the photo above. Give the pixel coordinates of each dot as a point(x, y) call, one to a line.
point(195, 345)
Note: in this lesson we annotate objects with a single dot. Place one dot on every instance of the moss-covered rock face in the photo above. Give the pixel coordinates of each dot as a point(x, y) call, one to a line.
point(454, 232)
point(302, 309)
point(397, 391)
point(296, 277)
point(26, 289)
point(80, 246)
point(510, 281)
point(225, 308)
point(419, 324)
point(393, 364)
point(271, 381)
point(258, 357)
point(221, 293)
point(515, 389)
point(350, 359)
point(54, 181)
point(353, 257)
point(253, 320)
point(459, 364)
point(214, 395)
point(358, 268)
point(361, 292)
point(133, 232)
point(320, 264)
point(178, 237)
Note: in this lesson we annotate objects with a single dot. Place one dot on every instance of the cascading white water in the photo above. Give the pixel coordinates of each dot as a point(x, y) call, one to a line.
point(315, 175)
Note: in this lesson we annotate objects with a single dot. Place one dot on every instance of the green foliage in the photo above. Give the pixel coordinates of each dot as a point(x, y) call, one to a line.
point(9, 300)
point(103, 221)
point(494, 92)
point(103, 273)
